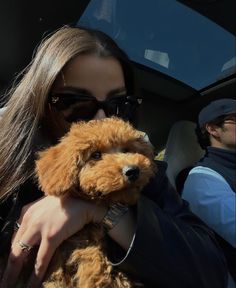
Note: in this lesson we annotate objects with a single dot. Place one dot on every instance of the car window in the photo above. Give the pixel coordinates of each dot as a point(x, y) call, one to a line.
point(167, 36)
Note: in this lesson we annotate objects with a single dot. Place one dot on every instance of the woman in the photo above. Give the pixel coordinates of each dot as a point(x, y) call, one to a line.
point(80, 73)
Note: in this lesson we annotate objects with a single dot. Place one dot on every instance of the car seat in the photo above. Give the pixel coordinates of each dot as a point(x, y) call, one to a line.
point(182, 152)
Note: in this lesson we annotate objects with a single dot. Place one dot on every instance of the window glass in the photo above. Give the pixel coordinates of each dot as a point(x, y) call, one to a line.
point(167, 36)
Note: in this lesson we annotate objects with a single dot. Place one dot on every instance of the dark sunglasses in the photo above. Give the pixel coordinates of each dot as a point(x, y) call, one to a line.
point(76, 107)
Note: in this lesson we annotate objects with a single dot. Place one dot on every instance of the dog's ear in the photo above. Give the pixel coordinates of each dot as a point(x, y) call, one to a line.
point(143, 146)
point(57, 169)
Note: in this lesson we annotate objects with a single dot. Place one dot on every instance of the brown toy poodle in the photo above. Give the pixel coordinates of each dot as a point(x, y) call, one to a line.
point(105, 161)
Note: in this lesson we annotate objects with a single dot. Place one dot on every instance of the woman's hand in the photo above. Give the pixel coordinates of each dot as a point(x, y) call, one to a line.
point(46, 223)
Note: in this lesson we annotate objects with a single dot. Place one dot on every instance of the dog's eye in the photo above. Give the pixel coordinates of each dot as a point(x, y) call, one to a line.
point(96, 155)
point(125, 150)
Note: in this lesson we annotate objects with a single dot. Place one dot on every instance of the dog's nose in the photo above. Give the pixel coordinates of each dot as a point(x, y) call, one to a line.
point(131, 172)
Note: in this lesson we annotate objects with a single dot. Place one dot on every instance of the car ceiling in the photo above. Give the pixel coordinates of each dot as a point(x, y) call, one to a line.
point(24, 23)
point(216, 11)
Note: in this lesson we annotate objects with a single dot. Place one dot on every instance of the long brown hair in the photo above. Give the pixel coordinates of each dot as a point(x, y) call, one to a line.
point(28, 99)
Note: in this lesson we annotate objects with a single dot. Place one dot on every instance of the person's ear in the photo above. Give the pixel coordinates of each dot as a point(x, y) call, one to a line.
point(213, 130)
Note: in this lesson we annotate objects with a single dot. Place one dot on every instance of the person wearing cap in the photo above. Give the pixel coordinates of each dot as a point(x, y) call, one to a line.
point(210, 187)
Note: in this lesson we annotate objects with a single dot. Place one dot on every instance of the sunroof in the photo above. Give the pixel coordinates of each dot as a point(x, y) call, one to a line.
point(167, 36)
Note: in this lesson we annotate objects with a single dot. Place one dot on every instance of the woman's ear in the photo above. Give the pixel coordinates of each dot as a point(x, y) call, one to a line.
point(57, 170)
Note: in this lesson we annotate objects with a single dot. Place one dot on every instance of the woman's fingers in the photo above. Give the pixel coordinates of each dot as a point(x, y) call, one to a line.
point(21, 253)
point(21, 224)
point(21, 249)
point(45, 224)
point(45, 253)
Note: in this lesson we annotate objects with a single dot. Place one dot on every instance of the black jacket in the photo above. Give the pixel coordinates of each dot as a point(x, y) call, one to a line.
point(172, 247)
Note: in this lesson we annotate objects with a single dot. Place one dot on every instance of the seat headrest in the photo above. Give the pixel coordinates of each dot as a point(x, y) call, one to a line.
point(182, 148)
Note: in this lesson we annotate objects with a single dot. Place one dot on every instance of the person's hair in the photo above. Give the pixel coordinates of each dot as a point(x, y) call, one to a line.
point(203, 135)
point(28, 99)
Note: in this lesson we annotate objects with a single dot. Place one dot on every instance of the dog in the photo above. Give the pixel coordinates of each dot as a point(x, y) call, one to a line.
point(106, 161)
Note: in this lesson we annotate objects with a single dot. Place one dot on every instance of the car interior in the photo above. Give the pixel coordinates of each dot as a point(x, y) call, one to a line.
point(183, 53)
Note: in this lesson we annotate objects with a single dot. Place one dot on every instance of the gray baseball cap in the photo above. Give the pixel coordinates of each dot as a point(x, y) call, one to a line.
point(216, 109)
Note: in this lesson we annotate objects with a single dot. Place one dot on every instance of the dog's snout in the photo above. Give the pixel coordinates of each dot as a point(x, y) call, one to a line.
point(131, 172)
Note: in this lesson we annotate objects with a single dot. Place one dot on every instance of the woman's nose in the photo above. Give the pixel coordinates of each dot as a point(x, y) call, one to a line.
point(100, 114)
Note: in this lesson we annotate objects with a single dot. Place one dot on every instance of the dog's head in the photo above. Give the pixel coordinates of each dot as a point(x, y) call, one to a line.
point(104, 160)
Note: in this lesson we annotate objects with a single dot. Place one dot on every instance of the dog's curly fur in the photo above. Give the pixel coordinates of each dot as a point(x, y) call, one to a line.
point(91, 162)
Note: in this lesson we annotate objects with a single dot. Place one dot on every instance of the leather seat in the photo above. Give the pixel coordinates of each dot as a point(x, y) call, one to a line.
point(182, 151)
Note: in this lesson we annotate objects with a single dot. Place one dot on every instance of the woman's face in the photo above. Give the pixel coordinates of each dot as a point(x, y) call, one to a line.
point(84, 80)
point(79, 91)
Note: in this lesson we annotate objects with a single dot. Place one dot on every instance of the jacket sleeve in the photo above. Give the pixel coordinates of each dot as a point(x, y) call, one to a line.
point(171, 246)
point(213, 200)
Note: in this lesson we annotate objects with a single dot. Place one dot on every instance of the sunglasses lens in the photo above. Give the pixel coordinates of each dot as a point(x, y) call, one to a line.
point(84, 111)
point(74, 107)
point(122, 107)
